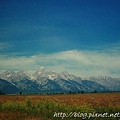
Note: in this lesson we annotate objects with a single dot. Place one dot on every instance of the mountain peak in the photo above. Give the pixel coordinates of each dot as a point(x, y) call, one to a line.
point(23, 72)
point(65, 72)
point(41, 68)
point(7, 74)
point(43, 80)
point(65, 75)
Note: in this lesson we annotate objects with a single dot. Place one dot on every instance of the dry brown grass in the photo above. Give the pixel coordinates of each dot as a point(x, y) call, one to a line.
point(96, 101)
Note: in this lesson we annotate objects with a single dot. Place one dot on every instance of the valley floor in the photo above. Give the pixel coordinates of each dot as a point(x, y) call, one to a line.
point(55, 107)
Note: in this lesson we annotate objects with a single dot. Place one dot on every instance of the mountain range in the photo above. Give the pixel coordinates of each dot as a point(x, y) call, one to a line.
point(42, 81)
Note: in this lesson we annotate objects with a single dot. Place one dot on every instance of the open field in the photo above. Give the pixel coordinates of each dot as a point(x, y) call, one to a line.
point(94, 106)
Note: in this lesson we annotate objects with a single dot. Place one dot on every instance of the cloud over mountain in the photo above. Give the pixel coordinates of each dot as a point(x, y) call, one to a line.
point(82, 63)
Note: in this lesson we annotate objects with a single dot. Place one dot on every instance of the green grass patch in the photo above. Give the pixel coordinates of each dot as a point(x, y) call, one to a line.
point(50, 109)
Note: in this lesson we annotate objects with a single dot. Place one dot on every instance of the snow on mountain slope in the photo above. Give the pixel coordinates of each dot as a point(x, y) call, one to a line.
point(42, 80)
point(112, 84)
point(7, 87)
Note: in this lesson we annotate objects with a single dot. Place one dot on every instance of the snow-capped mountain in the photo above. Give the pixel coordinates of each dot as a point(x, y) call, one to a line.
point(113, 84)
point(42, 74)
point(12, 76)
point(7, 87)
point(50, 81)
point(66, 76)
point(8, 75)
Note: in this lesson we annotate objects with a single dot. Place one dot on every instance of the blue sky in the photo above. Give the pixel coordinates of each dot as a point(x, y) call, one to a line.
point(37, 32)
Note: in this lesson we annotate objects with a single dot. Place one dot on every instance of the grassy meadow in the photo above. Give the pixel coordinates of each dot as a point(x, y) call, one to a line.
point(93, 106)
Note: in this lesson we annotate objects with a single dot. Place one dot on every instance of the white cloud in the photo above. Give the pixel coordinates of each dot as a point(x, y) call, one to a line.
point(81, 63)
